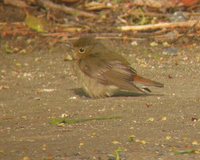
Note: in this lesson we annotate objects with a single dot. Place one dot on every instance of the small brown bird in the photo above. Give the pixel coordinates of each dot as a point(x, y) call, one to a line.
point(102, 72)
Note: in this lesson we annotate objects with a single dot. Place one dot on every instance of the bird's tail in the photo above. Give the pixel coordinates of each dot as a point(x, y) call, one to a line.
point(146, 82)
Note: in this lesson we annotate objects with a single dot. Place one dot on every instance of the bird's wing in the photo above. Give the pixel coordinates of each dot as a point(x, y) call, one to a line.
point(110, 72)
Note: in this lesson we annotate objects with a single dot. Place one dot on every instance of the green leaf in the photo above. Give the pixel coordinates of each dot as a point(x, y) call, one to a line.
point(192, 151)
point(35, 23)
point(118, 153)
point(69, 121)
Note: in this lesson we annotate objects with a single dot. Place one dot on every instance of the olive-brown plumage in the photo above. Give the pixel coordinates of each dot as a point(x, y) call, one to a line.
point(102, 71)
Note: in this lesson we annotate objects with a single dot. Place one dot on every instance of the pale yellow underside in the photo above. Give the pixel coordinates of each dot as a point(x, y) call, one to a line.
point(92, 87)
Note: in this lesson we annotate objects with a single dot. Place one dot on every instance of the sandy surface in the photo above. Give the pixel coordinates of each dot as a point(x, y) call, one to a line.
point(37, 86)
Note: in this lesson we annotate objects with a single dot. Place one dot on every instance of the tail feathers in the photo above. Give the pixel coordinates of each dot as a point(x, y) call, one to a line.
point(147, 82)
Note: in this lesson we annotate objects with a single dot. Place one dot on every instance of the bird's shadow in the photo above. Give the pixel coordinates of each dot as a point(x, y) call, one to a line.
point(81, 93)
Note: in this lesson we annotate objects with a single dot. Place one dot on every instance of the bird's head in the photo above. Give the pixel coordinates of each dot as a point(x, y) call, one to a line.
point(83, 47)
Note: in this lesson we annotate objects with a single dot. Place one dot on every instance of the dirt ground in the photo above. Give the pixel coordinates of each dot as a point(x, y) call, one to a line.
point(37, 85)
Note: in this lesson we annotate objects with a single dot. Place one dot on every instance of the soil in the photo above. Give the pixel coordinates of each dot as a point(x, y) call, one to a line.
point(37, 86)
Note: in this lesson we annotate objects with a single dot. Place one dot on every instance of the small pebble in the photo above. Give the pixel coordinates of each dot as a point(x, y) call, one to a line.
point(153, 44)
point(81, 144)
point(74, 97)
point(151, 119)
point(115, 142)
point(178, 16)
point(168, 137)
point(134, 43)
point(165, 44)
point(26, 158)
point(164, 118)
point(195, 143)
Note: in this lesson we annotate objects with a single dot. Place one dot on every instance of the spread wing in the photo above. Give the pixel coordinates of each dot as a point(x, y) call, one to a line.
point(113, 71)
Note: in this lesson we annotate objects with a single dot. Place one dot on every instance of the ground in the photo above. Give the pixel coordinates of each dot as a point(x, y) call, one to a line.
point(37, 85)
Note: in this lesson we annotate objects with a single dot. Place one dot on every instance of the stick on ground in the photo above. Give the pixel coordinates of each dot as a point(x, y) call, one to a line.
point(185, 24)
point(67, 10)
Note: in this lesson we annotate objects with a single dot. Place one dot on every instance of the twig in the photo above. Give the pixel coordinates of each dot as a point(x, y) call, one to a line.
point(111, 36)
point(186, 24)
point(20, 28)
point(150, 14)
point(68, 10)
point(94, 6)
point(154, 3)
point(186, 32)
point(166, 37)
point(17, 3)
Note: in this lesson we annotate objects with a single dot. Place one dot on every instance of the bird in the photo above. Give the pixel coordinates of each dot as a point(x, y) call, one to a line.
point(102, 71)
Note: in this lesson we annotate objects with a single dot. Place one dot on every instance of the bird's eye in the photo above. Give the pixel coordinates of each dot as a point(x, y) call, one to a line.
point(81, 50)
